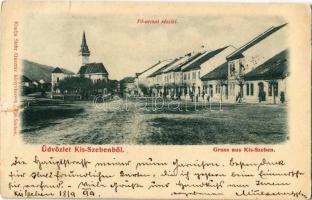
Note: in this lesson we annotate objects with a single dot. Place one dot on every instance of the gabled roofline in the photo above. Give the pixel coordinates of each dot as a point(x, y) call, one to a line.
point(140, 73)
point(83, 69)
point(178, 63)
point(190, 59)
point(57, 70)
point(255, 74)
point(159, 71)
point(206, 56)
point(215, 73)
point(256, 40)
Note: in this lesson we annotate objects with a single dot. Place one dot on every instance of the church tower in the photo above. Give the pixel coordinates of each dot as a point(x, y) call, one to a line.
point(84, 50)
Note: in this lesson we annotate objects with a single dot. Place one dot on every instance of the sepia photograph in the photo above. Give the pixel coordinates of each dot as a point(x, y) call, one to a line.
point(160, 80)
point(155, 100)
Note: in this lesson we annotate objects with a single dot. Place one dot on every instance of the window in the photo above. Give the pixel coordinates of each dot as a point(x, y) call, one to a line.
point(194, 75)
point(198, 74)
point(218, 89)
point(251, 89)
point(57, 79)
point(247, 89)
point(211, 90)
point(270, 89)
point(189, 76)
point(184, 76)
point(232, 68)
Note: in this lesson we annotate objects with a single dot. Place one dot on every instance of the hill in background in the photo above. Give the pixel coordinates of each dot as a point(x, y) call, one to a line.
point(36, 71)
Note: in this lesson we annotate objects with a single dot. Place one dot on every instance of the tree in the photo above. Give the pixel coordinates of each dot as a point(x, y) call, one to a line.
point(112, 86)
point(143, 88)
point(123, 86)
point(99, 85)
point(273, 84)
point(221, 82)
point(76, 85)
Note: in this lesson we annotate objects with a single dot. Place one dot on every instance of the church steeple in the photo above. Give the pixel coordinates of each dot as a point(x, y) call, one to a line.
point(84, 50)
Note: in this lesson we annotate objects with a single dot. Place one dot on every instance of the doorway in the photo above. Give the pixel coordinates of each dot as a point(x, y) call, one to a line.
point(261, 94)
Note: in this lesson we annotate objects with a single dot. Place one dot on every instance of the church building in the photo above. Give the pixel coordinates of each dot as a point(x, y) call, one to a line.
point(93, 71)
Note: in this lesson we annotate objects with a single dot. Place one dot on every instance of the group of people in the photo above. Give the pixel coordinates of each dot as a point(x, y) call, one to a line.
point(178, 95)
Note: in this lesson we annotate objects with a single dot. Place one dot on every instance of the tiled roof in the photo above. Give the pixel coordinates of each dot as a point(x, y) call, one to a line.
point(154, 67)
point(200, 60)
point(149, 68)
point(92, 68)
point(274, 68)
point(159, 71)
point(181, 60)
point(255, 41)
point(178, 67)
point(219, 73)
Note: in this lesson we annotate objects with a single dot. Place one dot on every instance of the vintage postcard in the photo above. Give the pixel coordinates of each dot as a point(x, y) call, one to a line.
point(155, 100)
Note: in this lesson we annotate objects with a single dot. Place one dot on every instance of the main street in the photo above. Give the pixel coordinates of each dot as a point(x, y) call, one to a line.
point(140, 123)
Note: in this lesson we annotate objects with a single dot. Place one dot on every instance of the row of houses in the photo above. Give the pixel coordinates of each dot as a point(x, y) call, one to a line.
point(29, 86)
point(255, 72)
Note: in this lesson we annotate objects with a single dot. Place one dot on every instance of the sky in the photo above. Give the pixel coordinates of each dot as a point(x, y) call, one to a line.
point(125, 47)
